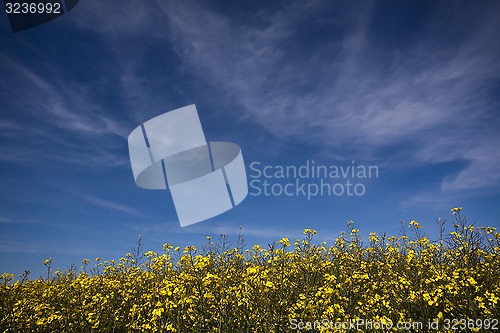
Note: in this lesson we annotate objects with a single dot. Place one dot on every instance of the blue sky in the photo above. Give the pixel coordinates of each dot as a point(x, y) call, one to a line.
point(412, 87)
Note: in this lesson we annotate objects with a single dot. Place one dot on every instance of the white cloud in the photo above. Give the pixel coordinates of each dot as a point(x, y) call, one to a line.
point(427, 98)
point(60, 113)
point(4, 219)
point(64, 104)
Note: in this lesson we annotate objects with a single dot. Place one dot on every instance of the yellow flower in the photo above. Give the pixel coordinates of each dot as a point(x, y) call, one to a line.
point(309, 231)
point(228, 289)
point(285, 241)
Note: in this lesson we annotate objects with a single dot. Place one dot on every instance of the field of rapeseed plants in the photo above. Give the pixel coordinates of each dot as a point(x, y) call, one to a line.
point(453, 281)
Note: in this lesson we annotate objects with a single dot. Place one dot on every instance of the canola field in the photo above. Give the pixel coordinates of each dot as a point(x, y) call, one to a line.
point(384, 284)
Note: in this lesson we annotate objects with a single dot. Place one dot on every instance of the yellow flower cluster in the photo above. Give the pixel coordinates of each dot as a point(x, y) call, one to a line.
point(218, 289)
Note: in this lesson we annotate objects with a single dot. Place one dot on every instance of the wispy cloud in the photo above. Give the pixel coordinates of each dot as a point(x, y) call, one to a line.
point(426, 98)
point(50, 99)
point(307, 72)
point(4, 219)
point(356, 96)
point(7, 125)
point(62, 114)
point(104, 203)
point(13, 220)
